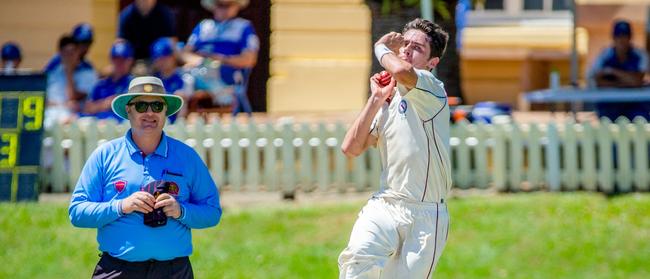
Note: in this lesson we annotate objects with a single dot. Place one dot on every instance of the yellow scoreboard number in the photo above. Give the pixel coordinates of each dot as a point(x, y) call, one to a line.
point(22, 104)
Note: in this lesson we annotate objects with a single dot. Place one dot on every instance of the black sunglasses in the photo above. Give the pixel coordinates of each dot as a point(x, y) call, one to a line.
point(142, 106)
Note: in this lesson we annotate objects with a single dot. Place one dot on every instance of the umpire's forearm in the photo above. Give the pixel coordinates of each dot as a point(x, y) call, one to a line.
point(87, 214)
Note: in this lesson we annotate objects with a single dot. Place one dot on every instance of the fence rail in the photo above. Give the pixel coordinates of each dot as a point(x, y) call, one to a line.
point(286, 156)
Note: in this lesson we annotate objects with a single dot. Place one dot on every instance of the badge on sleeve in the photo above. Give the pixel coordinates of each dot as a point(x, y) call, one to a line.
point(119, 185)
point(402, 107)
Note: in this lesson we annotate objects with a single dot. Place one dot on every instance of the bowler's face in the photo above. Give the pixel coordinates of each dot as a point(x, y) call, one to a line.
point(148, 122)
point(416, 49)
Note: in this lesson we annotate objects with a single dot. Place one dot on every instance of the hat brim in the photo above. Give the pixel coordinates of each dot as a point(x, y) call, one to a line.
point(174, 103)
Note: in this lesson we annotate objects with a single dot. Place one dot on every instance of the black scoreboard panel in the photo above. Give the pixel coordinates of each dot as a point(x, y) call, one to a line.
point(22, 104)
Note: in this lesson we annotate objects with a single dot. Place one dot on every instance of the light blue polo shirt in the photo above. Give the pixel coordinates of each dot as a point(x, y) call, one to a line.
point(117, 169)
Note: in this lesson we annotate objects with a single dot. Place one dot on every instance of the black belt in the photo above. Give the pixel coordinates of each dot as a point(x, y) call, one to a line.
point(179, 260)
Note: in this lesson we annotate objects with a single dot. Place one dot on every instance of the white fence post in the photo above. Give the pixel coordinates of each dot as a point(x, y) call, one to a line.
point(641, 154)
point(215, 133)
point(288, 160)
point(535, 169)
point(340, 161)
point(499, 158)
point(482, 135)
point(270, 165)
point(553, 158)
point(516, 156)
point(588, 158)
point(75, 153)
point(624, 156)
point(570, 147)
point(59, 179)
point(252, 158)
point(605, 149)
point(463, 171)
point(322, 158)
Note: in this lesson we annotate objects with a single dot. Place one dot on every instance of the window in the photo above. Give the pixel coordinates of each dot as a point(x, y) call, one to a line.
point(560, 5)
point(494, 4)
point(534, 4)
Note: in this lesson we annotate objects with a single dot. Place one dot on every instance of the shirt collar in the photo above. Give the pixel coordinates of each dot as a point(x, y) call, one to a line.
point(161, 150)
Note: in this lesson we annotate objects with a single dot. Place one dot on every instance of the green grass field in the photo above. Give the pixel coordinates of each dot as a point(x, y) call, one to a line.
point(541, 235)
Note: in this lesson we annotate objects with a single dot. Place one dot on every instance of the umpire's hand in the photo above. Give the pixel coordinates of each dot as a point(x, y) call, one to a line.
point(169, 205)
point(139, 201)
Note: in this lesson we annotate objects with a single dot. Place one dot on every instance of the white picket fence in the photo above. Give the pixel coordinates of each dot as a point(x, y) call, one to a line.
point(286, 156)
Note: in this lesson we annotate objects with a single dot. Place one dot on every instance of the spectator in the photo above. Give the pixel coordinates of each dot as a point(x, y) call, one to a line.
point(621, 65)
point(68, 84)
point(11, 57)
point(163, 56)
point(231, 41)
point(144, 21)
point(82, 34)
point(99, 102)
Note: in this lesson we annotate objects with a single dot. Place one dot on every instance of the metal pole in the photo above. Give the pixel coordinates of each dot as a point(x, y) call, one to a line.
point(574, 47)
point(574, 58)
point(426, 9)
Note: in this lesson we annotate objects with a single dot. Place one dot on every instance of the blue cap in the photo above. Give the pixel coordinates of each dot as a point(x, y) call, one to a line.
point(121, 49)
point(83, 33)
point(161, 48)
point(10, 51)
point(622, 28)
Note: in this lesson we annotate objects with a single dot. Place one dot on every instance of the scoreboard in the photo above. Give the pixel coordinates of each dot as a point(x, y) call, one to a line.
point(22, 104)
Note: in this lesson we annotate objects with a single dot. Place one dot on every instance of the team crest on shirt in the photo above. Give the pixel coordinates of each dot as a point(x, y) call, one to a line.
point(120, 185)
point(402, 107)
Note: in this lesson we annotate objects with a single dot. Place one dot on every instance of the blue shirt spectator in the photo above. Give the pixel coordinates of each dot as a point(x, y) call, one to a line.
point(82, 35)
point(119, 188)
point(621, 65)
point(230, 40)
point(68, 84)
point(99, 101)
point(144, 21)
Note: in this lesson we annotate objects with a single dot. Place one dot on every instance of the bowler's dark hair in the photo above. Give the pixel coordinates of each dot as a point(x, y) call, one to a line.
point(437, 37)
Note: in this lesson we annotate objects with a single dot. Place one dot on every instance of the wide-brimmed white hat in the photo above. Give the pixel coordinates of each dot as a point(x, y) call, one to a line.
point(210, 4)
point(146, 86)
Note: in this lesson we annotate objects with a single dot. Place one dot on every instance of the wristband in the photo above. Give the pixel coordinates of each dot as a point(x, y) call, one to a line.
point(380, 51)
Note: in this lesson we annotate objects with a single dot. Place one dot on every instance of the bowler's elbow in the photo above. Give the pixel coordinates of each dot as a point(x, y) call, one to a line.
point(350, 151)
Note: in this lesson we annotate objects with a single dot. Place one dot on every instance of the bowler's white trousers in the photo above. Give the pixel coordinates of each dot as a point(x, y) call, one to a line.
point(393, 238)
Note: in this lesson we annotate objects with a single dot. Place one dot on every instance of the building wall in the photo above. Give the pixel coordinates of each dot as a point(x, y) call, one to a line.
point(501, 63)
point(37, 25)
point(320, 55)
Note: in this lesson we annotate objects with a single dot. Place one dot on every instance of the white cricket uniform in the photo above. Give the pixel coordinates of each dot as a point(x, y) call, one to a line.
point(402, 230)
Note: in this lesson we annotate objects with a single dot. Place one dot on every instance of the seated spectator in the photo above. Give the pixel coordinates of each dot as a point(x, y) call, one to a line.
point(144, 21)
point(99, 101)
point(82, 34)
point(68, 84)
point(11, 57)
point(621, 65)
point(163, 56)
point(231, 41)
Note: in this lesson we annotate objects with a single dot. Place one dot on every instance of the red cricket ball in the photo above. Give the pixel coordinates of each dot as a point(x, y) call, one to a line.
point(384, 78)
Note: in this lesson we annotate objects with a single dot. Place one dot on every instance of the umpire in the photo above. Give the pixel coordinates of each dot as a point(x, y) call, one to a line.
point(145, 191)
